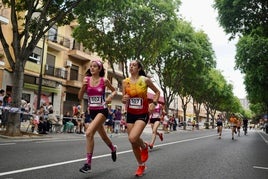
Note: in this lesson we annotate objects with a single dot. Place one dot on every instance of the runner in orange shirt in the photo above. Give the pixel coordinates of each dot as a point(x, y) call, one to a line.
point(233, 121)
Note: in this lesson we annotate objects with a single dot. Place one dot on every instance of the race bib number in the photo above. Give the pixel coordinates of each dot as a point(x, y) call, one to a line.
point(95, 101)
point(135, 103)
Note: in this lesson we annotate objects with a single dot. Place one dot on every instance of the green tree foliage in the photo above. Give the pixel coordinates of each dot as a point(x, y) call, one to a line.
point(252, 59)
point(248, 19)
point(30, 20)
point(123, 30)
point(242, 16)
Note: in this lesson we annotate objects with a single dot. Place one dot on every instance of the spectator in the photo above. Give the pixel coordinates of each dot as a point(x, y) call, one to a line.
point(54, 121)
point(110, 119)
point(1, 112)
point(2, 94)
point(35, 123)
point(87, 119)
point(74, 121)
point(67, 121)
point(80, 122)
point(117, 119)
point(43, 124)
point(123, 123)
point(193, 124)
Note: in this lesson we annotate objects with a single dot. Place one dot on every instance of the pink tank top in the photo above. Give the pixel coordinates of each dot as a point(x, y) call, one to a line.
point(96, 95)
point(157, 111)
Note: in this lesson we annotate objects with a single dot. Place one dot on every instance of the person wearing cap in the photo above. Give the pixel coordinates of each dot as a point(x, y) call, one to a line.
point(94, 84)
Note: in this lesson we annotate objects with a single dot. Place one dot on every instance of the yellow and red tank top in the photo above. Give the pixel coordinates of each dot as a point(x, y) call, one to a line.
point(138, 102)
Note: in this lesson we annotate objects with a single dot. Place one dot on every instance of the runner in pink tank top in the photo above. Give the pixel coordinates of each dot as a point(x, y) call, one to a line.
point(94, 85)
point(96, 95)
point(155, 123)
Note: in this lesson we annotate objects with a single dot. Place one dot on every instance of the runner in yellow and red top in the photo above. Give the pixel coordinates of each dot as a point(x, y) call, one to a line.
point(233, 122)
point(138, 110)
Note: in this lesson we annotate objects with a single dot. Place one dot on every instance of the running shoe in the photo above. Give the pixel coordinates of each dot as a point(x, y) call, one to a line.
point(151, 146)
point(113, 154)
point(140, 170)
point(86, 168)
point(161, 136)
point(144, 153)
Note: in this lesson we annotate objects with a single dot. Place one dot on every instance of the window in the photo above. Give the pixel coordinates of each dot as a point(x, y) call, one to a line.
point(74, 72)
point(50, 64)
point(52, 34)
point(35, 57)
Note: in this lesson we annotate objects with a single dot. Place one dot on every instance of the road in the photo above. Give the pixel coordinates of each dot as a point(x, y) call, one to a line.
point(183, 154)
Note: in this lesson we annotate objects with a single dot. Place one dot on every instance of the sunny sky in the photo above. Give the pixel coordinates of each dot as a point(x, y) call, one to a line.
point(202, 16)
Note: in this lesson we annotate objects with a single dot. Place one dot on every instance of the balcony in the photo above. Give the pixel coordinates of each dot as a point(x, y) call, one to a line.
point(58, 43)
point(56, 72)
point(79, 52)
point(75, 80)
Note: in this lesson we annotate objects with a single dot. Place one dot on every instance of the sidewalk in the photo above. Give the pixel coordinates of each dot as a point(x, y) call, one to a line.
point(53, 135)
point(30, 135)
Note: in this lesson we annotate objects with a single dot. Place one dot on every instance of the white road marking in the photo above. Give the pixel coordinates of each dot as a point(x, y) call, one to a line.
point(8, 144)
point(257, 167)
point(261, 134)
point(95, 157)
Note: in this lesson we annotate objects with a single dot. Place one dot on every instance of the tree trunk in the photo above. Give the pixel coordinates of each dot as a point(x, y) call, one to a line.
point(13, 125)
point(184, 118)
point(13, 121)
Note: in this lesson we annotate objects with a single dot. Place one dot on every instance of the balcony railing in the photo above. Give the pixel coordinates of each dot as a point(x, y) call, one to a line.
point(56, 72)
point(66, 42)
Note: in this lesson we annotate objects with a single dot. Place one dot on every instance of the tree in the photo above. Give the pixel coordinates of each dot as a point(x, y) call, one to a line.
point(248, 20)
point(241, 17)
point(125, 30)
point(252, 59)
point(171, 64)
point(30, 21)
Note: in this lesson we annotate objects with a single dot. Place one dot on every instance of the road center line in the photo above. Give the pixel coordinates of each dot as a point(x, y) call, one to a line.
point(257, 167)
point(95, 157)
point(8, 144)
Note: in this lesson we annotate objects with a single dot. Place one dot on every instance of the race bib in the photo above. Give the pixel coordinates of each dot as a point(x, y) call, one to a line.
point(135, 103)
point(95, 101)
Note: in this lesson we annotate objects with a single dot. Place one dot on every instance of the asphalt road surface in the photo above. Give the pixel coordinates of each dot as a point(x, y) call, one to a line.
point(187, 154)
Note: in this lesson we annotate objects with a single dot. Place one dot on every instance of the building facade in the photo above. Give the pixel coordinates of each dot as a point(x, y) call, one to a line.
point(58, 64)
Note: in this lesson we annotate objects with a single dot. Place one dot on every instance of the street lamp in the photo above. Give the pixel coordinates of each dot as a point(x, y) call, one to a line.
point(41, 74)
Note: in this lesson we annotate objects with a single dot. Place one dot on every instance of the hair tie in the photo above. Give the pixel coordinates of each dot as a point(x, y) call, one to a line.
point(98, 63)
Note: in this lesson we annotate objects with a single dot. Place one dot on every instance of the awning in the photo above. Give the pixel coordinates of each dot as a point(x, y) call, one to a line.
point(44, 88)
point(151, 96)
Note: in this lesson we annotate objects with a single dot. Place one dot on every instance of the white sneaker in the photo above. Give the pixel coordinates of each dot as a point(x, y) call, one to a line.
point(35, 132)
